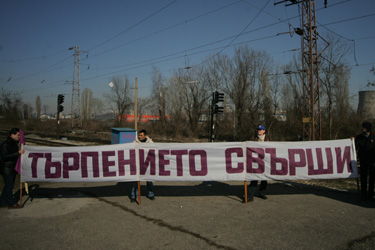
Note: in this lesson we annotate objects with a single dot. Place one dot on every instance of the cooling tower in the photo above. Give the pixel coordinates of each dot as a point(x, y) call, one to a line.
point(366, 105)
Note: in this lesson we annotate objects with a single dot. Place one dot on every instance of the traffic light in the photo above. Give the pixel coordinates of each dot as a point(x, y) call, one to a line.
point(218, 109)
point(60, 100)
point(218, 97)
point(60, 108)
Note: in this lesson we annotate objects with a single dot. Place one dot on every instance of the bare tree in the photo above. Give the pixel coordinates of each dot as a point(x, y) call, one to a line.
point(174, 108)
point(86, 104)
point(275, 91)
point(144, 104)
point(188, 90)
point(97, 107)
point(159, 95)
point(38, 106)
point(119, 97)
point(334, 79)
point(11, 105)
point(240, 78)
point(267, 113)
point(291, 101)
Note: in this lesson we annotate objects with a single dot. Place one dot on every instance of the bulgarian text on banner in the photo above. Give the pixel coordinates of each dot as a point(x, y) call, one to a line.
point(235, 161)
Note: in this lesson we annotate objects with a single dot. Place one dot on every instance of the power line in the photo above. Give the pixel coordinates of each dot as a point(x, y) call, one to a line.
point(41, 71)
point(169, 27)
point(176, 56)
point(235, 38)
point(33, 58)
point(351, 19)
point(204, 14)
point(133, 26)
point(148, 62)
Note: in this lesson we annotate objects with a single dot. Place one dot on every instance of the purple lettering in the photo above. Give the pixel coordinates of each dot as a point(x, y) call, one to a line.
point(34, 163)
point(95, 163)
point(293, 163)
point(150, 160)
point(329, 169)
point(107, 163)
point(228, 160)
point(344, 160)
point(179, 154)
point(131, 162)
point(203, 157)
point(259, 160)
point(163, 162)
point(66, 166)
point(49, 165)
point(275, 160)
point(320, 162)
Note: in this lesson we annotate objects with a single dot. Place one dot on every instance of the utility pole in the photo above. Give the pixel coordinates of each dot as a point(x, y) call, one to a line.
point(76, 101)
point(310, 73)
point(311, 113)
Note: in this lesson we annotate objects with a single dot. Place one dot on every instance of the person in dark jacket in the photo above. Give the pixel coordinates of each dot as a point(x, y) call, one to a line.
point(9, 153)
point(365, 145)
point(260, 136)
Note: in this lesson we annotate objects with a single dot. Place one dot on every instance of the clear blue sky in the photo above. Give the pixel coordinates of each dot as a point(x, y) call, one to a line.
point(130, 37)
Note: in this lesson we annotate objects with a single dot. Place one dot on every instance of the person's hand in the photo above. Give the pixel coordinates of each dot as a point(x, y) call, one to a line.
point(21, 151)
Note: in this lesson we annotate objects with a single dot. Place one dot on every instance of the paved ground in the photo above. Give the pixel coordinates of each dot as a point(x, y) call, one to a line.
point(187, 215)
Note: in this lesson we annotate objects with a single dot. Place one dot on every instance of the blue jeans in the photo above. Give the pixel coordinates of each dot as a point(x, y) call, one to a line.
point(7, 194)
point(134, 191)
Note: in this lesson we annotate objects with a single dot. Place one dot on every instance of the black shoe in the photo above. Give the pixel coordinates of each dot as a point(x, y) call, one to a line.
point(262, 196)
point(151, 198)
point(132, 200)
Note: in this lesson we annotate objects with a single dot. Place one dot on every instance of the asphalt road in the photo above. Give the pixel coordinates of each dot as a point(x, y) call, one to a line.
point(187, 215)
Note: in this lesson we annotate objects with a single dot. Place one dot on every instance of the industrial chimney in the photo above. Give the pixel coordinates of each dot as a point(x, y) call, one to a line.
point(366, 105)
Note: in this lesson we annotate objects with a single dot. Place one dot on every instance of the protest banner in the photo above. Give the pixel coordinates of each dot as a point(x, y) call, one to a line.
point(231, 161)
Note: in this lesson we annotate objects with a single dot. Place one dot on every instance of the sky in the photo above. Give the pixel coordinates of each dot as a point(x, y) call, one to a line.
point(118, 37)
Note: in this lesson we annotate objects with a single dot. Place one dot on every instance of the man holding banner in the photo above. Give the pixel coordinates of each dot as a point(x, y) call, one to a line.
point(365, 145)
point(260, 136)
point(9, 153)
point(143, 138)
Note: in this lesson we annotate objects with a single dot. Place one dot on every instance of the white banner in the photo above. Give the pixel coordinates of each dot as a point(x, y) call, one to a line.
point(235, 161)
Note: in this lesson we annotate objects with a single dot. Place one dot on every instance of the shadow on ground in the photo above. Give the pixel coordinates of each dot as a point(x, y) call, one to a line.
point(211, 188)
